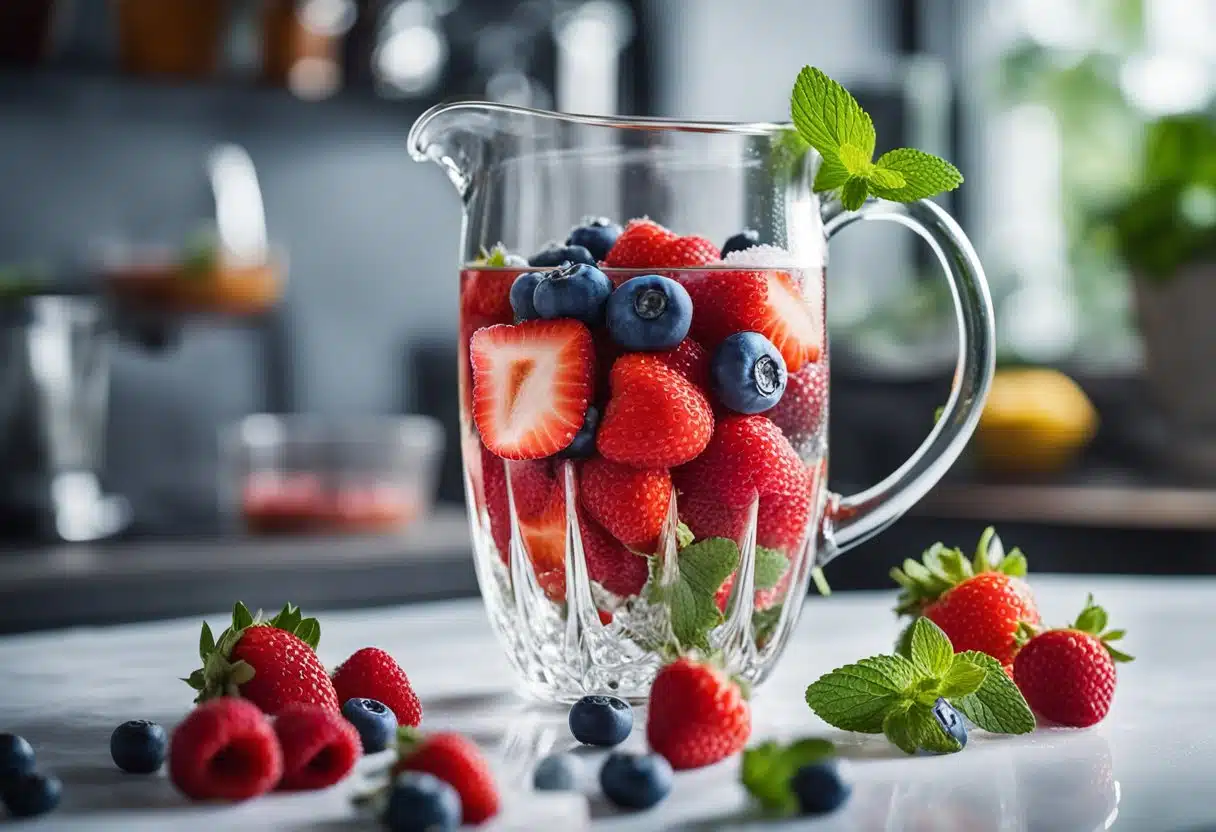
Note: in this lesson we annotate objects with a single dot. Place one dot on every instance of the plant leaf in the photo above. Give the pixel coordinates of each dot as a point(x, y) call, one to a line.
point(704, 566)
point(924, 175)
point(832, 173)
point(853, 194)
point(856, 697)
point(963, 677)
point(241, 617)
point(900, 729)
point(768, 768)
point(206, 642)
point(997, 705)
point(771, 565)
point(931, 650)
point(827, 116)
point(931, 736)
point(309, 632)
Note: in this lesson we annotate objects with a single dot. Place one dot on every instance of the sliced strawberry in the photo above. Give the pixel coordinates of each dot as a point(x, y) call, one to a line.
point(630, 503)
point(769, 302)
point(532, 383)
point(540, 505)
point(609, 563)
point(687, 252)
point(656, 418)
point(640, 245)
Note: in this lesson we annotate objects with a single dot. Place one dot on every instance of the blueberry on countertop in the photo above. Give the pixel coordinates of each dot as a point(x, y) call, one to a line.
point(597, 235)
point(16, 757)
point(421, 802)
point(138, 746)
point(820, 788)
point(557, 773)
point(576, 290)
point(745, 239)
point(748, 373)
point(601, 720)
point(29, 795)
point(558, 255)
point(635, 781)
point(649, 312)
point(950, 720)
point(376, 724)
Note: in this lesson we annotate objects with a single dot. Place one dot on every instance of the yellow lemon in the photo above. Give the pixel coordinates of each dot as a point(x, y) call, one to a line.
point(1036, 420)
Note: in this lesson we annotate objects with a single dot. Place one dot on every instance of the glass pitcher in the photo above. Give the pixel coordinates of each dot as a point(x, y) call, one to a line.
point(577, 609)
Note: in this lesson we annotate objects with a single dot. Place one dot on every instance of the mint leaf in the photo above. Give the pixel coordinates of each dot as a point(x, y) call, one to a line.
point(770, 567)
point(827, 116)
point(923, 173)
point(930, 648)
point(764, 623)
point(930, 734)
point(997, 705)
point(831, 175)
point(853, 194)
point(899, 728)
point(858, 696)
point(855, 160)
point(703, 567)
point(963, 678)
point(768, 768)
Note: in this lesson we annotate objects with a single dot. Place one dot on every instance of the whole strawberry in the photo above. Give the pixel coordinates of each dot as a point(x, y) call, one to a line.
point(372, 673)
point(458, 762)
point(656, 417)
point(1068, 675)
point(698, 715)
point(631, 503)
point(979, 603)
point(271, 663)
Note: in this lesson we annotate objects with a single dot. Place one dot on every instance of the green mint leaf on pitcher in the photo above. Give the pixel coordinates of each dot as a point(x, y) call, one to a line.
point(829, 118)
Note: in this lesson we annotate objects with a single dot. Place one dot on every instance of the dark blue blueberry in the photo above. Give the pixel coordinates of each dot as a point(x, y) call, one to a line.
point(557, 773)
point(584, 441)
point(376, 724)
point(742, 241)
point(421, 803)
point(601, 720)
point(576, 290)
point(559, 255)
point(635, 781)
point(522, 291)
point(748, 373)
point(138, 746)
point(819, 788)
point(31, 794)
point(950, 720)
point(649, 313)
point(597, 235)
point(16, 757)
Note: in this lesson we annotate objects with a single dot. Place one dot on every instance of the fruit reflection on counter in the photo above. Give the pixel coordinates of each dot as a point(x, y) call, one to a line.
point(1036, 421)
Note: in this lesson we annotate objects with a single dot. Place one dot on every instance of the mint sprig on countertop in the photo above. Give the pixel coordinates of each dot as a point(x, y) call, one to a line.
point(769, 767)
point(894, 695)
point(832, 122)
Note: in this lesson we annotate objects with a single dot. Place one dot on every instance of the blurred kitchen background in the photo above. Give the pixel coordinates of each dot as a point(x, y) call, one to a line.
point(134, 134)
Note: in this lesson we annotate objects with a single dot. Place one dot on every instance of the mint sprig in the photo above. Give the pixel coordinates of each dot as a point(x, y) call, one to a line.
point(894, 695)
point(771, 565)
point(703, 566)
point(829, 118)
point(769, 767)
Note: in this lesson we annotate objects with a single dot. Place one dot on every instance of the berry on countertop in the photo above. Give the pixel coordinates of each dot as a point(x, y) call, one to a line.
point(576, 290)
point(820, 788)
point(522, 291)
point(597, 235)
point(138, 746)
point(1068, 675)
point(649, 312)
point(803, 405)
point(979, 603)
point(698, 715)
point(375, 722)
point(609, 563)
point(748, 373)
point(29, 795)
point(745, 239)
point(319, 747)
point(557, 773)
point(532, 383)
point(687, 252)
point(225, 749)
point(16, 757)
point(635, 781)
point(420, 802)
point(556, 256)
point(950, 720)
point(271, 663)
point(656, 418)
point(371, 673)
point(601, 720)
point(458, 762)
point(639, 245)
point(630, 503)
point(584, 441)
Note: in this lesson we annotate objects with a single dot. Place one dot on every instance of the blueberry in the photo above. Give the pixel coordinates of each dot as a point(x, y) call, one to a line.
point(138, 746)
point(601, 720)
point(635, 781)
point(376, 724)
point(649, 313)
point(557, 773)
point(16, 757)
point(748, 373)
point(560, 255)
point(576, 290)
point(597, 235)
point(584, 441)
point(950, 720)
point(819, 788)
point(421, 802)
point(522, 291)
point(742, 241)
point(31, 794)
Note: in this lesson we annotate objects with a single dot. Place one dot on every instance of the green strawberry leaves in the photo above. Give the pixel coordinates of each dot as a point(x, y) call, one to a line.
point(1092, 621)
point(769, 767)
point(940, 569)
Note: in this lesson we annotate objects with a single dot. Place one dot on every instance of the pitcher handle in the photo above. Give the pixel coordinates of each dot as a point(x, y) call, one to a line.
point(848, 521)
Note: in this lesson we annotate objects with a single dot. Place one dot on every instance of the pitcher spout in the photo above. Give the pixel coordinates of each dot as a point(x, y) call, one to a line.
point(455, 135)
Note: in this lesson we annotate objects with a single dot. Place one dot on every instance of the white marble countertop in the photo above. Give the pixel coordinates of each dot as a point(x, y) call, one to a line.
point(1149, 766)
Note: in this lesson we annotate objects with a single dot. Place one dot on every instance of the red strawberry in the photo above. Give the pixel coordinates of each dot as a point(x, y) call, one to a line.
point(803, 405)
point(319, 747)
point(769, 302)
point(780, 519)
point(494, 487)
point(532, 383)
point(535, 487)
point(698, 715)
point(687, 252)
point(456, 761)
point(765, 598)
point(656, 418)
point(631, 503)
point(1068, 675)
point(639, 245)
point(540, 504)
point(270, 663)
point(748, 456)
point(553, 584)
point(978, 603)
point(372, 673)
point(689, 359)
point(487, 295)
point(609, 563)
point(225, 749)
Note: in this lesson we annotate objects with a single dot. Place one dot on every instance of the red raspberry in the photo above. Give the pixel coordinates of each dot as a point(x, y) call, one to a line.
point(639, 246)
point(371, 673)
point(225, 749)
point(459, 763)
point(656, 418)
point(319, 747)
point(631, 503)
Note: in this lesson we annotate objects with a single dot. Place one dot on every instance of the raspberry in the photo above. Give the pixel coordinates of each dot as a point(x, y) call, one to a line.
point(319, 747)
point(225, 750)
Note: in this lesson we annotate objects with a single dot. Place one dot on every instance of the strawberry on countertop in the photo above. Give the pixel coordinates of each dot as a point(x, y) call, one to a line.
point(698, 715)
point(457, 761)
point(371, 673)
